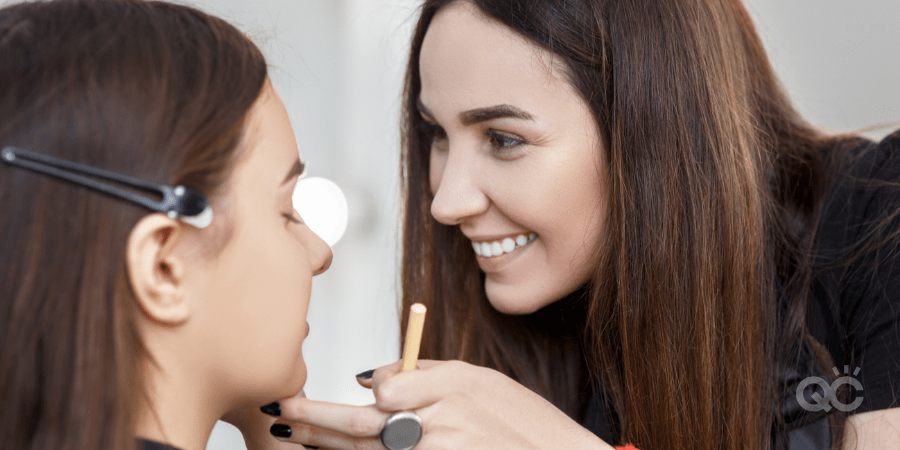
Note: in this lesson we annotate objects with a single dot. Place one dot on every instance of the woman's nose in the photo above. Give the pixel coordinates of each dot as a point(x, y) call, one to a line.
point(457, 191)
point(320, 254)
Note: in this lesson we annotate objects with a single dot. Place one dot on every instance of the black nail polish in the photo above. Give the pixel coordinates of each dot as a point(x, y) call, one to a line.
point(272, 409)
point(280, 430)
point(365, 375)
point(313, 447)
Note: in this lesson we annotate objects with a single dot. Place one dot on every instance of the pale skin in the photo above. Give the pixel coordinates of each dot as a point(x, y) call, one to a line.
point(873, 430)
point(225, 328)
point(506, 175)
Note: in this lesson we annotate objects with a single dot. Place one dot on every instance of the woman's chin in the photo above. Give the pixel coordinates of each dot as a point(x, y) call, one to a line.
point(288, 385)
point(525, 297)
point(507, 300)
point(298, 381)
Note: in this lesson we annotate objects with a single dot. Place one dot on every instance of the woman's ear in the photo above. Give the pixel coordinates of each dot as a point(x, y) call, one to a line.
point(156, 271)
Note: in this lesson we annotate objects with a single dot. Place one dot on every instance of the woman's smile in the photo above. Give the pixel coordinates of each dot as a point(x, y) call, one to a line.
point(494, 256)
point(515, 158)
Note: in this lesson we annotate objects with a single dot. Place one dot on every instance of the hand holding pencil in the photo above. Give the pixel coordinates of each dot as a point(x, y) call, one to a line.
point(461, 402)
point(413, 336)
point(403, 430)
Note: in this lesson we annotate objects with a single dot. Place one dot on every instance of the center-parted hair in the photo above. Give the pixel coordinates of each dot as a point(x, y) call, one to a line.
point(714, 189)
point(148, 89)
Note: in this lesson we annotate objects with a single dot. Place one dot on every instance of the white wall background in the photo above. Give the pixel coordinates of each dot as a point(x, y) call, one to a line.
point(338, 65)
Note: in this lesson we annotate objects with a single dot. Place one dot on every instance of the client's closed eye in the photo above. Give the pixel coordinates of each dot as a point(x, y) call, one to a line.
point(292, 217)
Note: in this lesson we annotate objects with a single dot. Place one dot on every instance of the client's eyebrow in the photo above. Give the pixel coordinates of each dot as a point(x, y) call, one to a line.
point(479, 115)
point(296, 169)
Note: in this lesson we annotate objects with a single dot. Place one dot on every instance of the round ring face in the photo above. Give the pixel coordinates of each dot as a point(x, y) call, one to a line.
point(402, 431)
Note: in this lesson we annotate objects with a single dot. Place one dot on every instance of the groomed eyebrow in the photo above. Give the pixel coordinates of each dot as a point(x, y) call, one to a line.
point(479, 115)
point(296, 169)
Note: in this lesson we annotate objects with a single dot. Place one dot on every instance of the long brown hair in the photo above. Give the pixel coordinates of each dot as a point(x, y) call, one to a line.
point(148, 89)
point(715, 185)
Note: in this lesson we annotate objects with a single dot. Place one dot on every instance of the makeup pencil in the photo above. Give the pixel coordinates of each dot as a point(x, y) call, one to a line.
point(413, 336)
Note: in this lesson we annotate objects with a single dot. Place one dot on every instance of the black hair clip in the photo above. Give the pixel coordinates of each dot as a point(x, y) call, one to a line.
point(179, 202)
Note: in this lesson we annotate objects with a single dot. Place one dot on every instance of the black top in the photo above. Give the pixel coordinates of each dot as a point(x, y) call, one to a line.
point(144, 444)
point(854, 306)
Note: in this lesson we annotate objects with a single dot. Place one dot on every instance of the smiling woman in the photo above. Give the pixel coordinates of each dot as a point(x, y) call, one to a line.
point(525, 169)
point(624, 233)
point(122, 327)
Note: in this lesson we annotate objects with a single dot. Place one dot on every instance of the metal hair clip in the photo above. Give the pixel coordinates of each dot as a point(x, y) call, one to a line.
point(179, 202)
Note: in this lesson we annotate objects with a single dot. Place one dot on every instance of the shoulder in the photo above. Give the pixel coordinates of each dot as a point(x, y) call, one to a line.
point(856, 290)
point(869, 160)
point(864, 188)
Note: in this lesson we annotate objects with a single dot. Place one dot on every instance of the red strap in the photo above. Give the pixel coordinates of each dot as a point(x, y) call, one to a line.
point(627, 447)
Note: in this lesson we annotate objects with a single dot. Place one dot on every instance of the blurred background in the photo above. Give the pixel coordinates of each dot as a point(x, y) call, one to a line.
point(339, 64)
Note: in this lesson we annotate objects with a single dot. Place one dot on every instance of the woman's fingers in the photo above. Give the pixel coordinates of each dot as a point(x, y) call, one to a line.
point(385, 372)
point(324, 439)
point(335, 426)
point(358, 421)
point(372, 377)
point(432, 381)
point(365, 382)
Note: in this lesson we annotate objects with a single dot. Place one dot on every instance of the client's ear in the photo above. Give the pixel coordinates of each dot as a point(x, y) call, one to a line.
point(156, 271)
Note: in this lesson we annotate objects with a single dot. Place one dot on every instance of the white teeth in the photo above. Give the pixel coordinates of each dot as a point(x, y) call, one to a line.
point(507, 245)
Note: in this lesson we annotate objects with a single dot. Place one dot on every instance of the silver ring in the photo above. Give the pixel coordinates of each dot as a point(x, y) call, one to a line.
point(402, 431)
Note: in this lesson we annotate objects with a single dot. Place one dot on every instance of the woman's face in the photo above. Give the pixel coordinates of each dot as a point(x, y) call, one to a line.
point(515, 160)
point(256, 289)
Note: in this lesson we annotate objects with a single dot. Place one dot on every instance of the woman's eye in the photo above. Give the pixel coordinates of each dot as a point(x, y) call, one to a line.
point(291, 218)
point(502, 141)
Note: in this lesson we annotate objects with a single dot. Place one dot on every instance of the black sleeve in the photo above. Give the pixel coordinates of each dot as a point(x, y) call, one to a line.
point(855, 305)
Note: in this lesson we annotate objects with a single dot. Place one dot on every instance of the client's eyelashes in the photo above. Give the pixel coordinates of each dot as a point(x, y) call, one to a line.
point(291, 218)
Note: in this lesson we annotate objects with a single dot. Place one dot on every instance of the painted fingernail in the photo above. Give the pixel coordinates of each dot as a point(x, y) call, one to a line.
point(365, 375)
point(280, 430)
point(272, 409)
point(313, 447)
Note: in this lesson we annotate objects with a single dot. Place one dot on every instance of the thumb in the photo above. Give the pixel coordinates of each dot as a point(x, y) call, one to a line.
point(365, 378)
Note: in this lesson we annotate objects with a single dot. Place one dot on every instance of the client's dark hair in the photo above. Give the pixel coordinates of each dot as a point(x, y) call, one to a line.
point(148, 89)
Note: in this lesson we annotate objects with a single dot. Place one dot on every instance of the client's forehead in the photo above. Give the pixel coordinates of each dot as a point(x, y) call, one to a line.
point(269, 146)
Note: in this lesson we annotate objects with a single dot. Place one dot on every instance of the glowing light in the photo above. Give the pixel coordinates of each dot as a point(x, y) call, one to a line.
point(323, 207)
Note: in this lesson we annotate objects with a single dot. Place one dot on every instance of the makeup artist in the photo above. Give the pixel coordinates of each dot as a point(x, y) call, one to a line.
point(625, 234)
